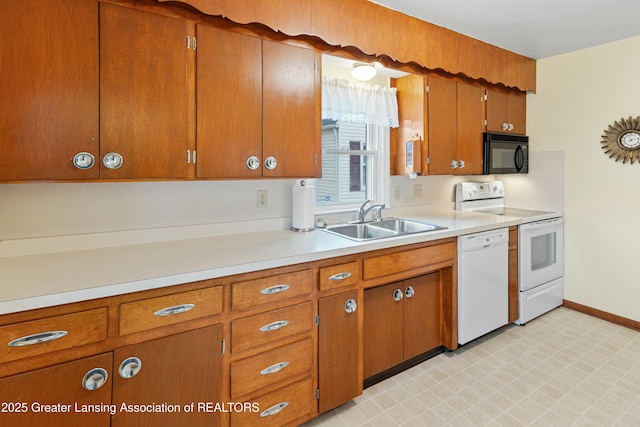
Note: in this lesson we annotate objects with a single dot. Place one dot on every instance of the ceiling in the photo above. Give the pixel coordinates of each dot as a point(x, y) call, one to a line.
point(533, 28)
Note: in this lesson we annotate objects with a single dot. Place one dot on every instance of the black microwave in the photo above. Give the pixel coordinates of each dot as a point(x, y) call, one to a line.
point(505, 153)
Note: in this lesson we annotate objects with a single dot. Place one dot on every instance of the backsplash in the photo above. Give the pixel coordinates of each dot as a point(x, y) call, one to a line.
point(66, 209)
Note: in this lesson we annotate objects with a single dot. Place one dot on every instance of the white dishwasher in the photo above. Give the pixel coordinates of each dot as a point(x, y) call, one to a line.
point(483, 283)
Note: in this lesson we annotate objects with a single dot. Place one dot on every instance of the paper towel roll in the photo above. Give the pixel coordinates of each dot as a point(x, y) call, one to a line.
point(302, 207)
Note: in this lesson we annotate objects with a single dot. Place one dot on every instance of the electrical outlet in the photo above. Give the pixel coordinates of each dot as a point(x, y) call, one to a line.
point(262, 199)
point(417, 190)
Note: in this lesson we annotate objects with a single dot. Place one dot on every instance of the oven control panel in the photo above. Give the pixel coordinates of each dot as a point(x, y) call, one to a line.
point(479, 190)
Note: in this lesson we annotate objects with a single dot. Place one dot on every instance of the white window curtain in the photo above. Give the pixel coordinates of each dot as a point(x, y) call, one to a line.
point(345, 101)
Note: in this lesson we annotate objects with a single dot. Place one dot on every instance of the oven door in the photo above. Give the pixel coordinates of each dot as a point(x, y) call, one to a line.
point(540, 253)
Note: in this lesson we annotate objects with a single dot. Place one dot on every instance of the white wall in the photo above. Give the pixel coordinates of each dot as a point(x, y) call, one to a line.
point(579, 95)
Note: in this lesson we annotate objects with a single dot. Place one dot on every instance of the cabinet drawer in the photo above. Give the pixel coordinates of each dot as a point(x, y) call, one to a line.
point(268, 368)
point(280, 407)
point(398, 262)
point(163, 311)
point(270, 289)
point(337, 276)
point(42, 336)
point(268, 327)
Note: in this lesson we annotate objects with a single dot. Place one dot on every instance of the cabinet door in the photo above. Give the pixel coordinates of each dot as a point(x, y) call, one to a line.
point(61, 387)
point(443, 125)
point(470, 128)
point(229, 103)
point(291, 111)
point(49, 87)
point(177, 370)
point(517, 112)
point(506, 109)
point(143, 93)
point(338, 350)
point(382, 330)
point(422, 315)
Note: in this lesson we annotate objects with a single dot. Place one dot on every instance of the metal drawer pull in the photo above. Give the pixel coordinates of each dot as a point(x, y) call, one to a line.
point(275, 409)
point(340, 276)
point(130, 367)
point(397, 295)
point(37, 338)
point(176, 309)
point(274, 289)
point(274, 326)
point(94, 379)
point(277, 367)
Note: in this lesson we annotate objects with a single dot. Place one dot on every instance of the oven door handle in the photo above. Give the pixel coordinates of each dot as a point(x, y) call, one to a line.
point(542, 224)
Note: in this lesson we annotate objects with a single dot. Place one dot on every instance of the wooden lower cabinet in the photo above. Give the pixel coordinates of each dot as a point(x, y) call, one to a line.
point(55, 396)
point(282, 407)
point(401, 320)
point(339, 376)
point(175, 371)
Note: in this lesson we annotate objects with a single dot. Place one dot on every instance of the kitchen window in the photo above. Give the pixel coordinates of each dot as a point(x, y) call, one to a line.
point(355, 144)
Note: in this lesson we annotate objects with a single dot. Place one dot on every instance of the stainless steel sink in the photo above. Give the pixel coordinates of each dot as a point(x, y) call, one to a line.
point(360, 231)
point(388, 227)
point(406, 226)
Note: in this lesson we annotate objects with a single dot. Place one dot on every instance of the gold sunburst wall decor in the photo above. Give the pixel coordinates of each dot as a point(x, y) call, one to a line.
point(621, 141)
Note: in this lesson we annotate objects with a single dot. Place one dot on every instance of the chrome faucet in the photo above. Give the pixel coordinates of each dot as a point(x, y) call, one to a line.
point(362, 212)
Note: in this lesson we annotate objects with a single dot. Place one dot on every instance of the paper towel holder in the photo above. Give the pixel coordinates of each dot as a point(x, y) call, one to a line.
point(297, 225)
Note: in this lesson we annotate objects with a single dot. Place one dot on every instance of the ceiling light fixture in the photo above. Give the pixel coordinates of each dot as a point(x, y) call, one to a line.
point(363, 72)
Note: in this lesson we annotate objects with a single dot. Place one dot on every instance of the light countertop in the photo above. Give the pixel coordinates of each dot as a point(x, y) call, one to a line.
point(47, 279)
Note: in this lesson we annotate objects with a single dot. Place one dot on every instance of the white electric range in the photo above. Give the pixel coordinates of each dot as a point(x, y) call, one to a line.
point(540, 246)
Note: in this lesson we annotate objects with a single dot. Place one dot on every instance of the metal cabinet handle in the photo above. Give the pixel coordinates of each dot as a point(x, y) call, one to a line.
point(505, 126)
point(37, 338)
point(274, 326)
point(398, 295)
point(274, 289)
point(275, 409)
point(94, 379)
point(276, 367)
point(130, 367)
point(175, 309)
point(350, 306)
point(253, 163)
point(112, 161)
point(454, 164)
point(409, 292)
point(270, 163)
point(84, 160)
point(340, 276)
point(461, 164)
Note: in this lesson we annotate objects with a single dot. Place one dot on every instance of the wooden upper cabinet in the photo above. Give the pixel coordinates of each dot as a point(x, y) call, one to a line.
point(143, 93)
point(470, 128)
point(507, 112)
point(456, 123)
point(256, 99)
point(443, 125)
point(49, 88)
point(291, 110)
point(409, 138)
point(229, 103)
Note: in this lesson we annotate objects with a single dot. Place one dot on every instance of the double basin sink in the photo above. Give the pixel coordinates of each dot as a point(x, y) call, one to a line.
point(387, 227)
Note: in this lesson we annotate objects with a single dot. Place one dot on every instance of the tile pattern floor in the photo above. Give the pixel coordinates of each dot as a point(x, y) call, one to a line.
point(562, 369)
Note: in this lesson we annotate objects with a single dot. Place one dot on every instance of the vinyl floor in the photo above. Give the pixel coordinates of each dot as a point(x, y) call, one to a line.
point(564, 368)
